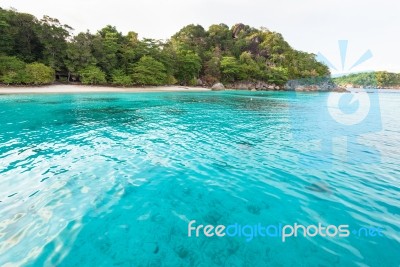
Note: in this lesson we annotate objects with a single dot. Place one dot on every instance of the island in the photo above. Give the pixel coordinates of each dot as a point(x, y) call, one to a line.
point(375, 79)
point(44, 51)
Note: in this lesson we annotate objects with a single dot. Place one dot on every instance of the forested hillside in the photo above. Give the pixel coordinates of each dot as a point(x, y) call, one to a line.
point(379, 79)
point(34, 51)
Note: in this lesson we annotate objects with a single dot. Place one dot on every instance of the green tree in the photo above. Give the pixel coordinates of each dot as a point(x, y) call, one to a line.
point(231, 69)
point(189, 66)
point(277, 75)
point(191, 37)
point(6, 40)
point(250, 70)
point(382, 78)
point(52, 36)
point(220, 36)
point(212, 71)
point(23, 29)
point(149, 71)
point(106, 47)
point(79, 53)
point(92, 75)
point(130, 51)
point(119, 77)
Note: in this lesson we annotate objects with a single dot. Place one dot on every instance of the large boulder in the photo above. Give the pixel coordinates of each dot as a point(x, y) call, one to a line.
point(218, 87)
point(236, 29)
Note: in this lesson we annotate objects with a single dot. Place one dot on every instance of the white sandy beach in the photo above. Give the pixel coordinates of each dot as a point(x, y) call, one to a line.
point(95, 89)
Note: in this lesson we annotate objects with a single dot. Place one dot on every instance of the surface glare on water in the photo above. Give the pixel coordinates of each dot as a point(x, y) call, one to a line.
point(114, 179)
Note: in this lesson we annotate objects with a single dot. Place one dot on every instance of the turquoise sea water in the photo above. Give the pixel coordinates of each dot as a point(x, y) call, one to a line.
point(114, 179)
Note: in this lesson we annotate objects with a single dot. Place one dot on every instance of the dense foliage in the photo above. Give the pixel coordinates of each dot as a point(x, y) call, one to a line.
point(38, 73)
point(15, 71)
point(149, 71)
point(380, 79)
point(92, 75)
point(219, 54)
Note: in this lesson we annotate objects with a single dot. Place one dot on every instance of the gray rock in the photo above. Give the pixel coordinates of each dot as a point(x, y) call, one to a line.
point(312, 84)
point(250, 85)
point(237, 29)
point(218, 87)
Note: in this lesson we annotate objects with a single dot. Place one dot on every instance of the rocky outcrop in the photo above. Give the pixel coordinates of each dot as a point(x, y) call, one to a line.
point(218, 87)
point(258, 85)
point(314, 84)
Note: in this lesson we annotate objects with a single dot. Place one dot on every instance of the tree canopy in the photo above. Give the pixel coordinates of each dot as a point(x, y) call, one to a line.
point(216, 54)
point(149, 71)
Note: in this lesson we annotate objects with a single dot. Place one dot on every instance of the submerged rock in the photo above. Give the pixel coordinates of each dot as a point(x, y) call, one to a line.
point(319, 187)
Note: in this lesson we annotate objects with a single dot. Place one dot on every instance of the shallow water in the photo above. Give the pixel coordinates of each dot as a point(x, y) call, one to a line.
point(114, 179)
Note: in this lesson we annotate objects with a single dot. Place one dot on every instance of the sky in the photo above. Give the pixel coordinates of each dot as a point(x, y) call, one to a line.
point(313, 26)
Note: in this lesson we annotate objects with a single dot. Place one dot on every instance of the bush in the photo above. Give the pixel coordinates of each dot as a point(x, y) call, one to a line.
point(38, 73)
point(149, 71)
point(12, 70)
point(171, 80)
point(192, 82)
point(92, 75)
point(13, 77)
point(15, 71)
point(119, 77)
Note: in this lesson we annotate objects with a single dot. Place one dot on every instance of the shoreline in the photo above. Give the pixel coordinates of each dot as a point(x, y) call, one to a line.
point(61, 88)
point(77, 88)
